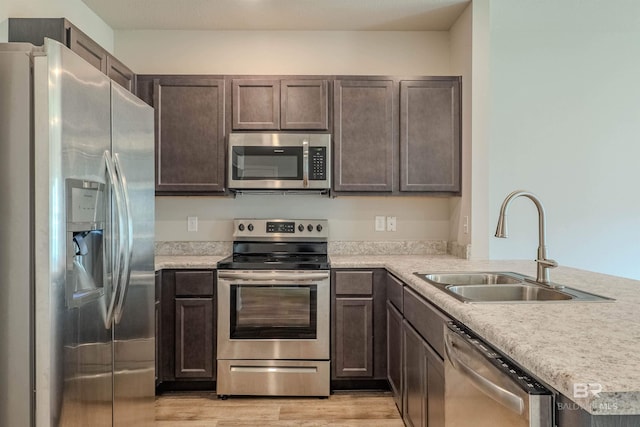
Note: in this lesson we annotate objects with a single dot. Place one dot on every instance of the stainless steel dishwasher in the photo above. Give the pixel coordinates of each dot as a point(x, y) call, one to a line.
point(485, 389)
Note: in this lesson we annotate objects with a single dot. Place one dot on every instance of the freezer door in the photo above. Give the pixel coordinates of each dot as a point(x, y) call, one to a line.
point(73, 357)
point(134, 323)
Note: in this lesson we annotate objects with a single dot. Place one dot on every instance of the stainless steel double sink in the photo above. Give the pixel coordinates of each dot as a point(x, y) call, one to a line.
point(503, 287)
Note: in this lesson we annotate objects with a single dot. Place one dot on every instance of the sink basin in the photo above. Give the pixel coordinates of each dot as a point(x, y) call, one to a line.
point(473, 278)
point(499, 293)
point(501, 286)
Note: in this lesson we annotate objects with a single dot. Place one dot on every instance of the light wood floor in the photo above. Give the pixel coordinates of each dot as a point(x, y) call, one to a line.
point(200, 409)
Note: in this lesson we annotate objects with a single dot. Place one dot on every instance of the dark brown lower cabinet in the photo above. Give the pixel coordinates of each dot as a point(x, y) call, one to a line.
point(186, 330)
point(394, 353)
point(435, 389)
point(194, 338)
point(423, 381)
point(359, 329)
point(158, 317)
point(354, 337)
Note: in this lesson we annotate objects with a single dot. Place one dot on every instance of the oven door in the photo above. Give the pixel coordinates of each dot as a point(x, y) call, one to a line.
point(265, 314)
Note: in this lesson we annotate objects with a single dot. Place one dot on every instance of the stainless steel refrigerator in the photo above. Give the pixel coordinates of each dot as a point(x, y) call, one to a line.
point(77, 257)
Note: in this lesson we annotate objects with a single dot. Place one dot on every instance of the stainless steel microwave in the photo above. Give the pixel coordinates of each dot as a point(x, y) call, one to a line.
point(279, 161)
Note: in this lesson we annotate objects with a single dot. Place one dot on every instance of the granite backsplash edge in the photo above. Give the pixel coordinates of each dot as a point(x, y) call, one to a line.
point(409, 247)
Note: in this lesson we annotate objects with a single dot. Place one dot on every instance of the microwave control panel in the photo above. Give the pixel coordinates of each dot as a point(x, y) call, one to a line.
point(318, 163)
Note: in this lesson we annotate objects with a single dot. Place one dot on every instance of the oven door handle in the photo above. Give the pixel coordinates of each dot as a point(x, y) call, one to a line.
point(294, 277)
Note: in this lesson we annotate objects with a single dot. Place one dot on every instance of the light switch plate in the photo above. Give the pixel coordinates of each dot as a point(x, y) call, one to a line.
point(380, 224)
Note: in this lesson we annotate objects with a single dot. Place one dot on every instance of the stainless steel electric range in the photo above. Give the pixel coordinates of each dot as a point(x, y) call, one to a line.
point(273, 310)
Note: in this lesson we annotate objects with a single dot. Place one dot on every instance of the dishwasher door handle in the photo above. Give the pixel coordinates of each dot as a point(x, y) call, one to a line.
point(494, 391)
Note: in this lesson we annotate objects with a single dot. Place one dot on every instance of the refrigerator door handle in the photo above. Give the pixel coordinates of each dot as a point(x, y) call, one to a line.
point(115, 274)
point(126, 269)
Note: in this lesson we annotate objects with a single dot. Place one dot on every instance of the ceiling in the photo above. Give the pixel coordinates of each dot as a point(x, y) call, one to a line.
point(328, 15)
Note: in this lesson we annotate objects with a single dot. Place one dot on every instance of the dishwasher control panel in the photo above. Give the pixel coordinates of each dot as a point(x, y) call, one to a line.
point(499, 360)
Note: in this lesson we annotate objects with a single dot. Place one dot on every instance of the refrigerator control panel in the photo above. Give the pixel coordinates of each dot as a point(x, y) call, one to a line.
point(85, 205)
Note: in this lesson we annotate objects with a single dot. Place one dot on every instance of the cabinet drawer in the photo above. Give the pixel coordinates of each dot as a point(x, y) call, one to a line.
point(426, 319)
point(354, 282)
point(394, 291)
point(194, 283)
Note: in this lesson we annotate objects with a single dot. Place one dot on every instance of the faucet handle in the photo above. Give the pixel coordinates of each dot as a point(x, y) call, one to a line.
point(547, 263)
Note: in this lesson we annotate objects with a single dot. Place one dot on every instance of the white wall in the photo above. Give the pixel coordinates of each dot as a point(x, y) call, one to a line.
point(565, 124)
point(351, 218)
point(4, 15)
point(285, 52)
point(294, 52)
point(480, 133)
point(74, 10)
point(461, 61)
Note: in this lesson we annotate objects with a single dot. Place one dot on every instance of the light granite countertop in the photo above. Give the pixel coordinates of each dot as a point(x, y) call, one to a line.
point(187, 261)
point(562, 343)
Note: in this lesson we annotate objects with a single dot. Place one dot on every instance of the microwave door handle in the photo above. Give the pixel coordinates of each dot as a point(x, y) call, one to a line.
point(305, 163)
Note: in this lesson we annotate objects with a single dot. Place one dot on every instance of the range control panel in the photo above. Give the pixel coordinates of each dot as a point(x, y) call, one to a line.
point(280, 229)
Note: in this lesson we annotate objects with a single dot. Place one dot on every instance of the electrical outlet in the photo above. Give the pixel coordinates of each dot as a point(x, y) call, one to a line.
point(380, 224)
point(391, 223)
point(192, 223)
point(465, 225)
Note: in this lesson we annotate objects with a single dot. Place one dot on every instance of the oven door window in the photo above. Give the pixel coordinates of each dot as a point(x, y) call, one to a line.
point(273, 312)
point(265, 163)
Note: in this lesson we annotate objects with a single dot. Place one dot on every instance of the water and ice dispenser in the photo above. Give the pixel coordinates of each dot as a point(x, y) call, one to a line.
point(86, 243)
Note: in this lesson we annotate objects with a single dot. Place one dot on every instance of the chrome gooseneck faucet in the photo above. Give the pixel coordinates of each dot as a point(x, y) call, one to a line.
point(544, 264)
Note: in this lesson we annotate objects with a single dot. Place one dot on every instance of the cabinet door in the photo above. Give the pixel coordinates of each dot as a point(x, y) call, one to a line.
point(435, 388)
point(158, 317)
point(303, 104)
point(89, 50)
point(166, 343)
point(34, 30)
point(426, 318)
point(120, 73)
point(430, 136)
point(194, 338)
point(354, 337)
point(364, 135)
point(256, 104)
point(190, 151)
point(414, 390)
point(394, 353)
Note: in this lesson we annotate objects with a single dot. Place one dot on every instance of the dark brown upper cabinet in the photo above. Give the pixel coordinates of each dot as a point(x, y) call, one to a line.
point(256, 104)
point(86, 48)
point(190, 132)
point(430, 137)
point(274, 104)
point(120, 73)
point(304, 105)
point(34, 30)
point(364, 135)
point(381, 149)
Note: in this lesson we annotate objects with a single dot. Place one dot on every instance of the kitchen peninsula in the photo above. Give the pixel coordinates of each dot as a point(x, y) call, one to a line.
point(562, 343)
